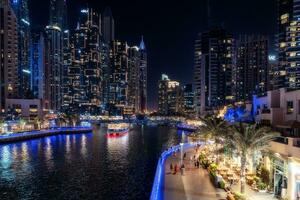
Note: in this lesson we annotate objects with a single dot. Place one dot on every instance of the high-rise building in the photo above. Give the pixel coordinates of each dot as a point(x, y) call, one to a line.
point(292, 66)
point(20, 8)
point(169, 96)
point(188, 100)
point(142, 77)
point(118, 88)
point(285, 17)
point(251, 69)
point(37, 63)
point(54, 45)
point(213, 70)
point(108, 26)
point(8, 54)
point(84, 73)
point(133, 78)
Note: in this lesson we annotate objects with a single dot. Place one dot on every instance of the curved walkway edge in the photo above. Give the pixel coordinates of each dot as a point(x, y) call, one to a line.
point(157, 192)
point(42, 133)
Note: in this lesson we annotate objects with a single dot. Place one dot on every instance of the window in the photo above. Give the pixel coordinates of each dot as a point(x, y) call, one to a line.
point(289, 107)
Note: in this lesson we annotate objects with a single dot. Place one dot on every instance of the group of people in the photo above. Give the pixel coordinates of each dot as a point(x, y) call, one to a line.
point(174, 169)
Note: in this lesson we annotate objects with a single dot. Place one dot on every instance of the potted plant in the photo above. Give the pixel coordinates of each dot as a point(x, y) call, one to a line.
point(262, 187)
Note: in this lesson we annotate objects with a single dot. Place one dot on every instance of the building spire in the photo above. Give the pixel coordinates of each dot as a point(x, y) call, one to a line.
point(142, 44)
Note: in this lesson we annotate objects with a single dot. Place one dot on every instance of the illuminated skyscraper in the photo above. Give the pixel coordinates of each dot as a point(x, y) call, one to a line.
point(20, 8)
point(108, 26)
point(118, 89)
point(169, 96)
point(252, 68)
point(8, 54)
point(84, 74)
point(213, 70)
point(54, 43)
point(133, 78)
point(38, 61)
point(142, 77)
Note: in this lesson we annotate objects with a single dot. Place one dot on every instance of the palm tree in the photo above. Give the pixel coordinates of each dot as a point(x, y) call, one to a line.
point(214, 127)
point(247, 139)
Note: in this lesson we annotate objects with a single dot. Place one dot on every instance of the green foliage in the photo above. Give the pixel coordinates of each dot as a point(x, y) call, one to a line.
point(239, 196)
point(261, 185)
point(213, 167)
point(222, 184)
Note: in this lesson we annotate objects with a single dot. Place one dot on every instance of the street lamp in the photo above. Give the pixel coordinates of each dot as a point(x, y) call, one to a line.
point(181, 150)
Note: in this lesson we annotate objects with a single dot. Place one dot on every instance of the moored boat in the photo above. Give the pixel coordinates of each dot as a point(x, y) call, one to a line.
point(117, 129)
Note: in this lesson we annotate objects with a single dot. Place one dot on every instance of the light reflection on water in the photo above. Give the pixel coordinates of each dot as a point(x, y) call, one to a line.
point(84, 166)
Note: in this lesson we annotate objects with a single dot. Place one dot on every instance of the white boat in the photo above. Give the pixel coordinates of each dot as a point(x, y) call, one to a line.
point(117, 129)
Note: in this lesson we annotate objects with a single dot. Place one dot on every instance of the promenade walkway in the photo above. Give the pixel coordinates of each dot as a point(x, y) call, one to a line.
point(194, 184)
point(42, 133)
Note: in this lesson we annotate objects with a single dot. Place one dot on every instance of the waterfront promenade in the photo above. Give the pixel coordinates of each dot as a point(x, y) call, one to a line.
point(42, 133)
point(194, 184)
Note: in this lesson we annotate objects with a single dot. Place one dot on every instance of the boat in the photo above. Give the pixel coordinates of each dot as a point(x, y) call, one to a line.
point(186, 127)
point(117, 129)
point(189, 125)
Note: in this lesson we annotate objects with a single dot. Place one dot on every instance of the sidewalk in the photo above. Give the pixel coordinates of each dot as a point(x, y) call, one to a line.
point(195, 184)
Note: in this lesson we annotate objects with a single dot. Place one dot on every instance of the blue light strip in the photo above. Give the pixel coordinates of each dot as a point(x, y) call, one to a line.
point(157, 192)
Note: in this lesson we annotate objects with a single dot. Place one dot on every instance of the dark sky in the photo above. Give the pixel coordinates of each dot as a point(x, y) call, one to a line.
point(170, 27)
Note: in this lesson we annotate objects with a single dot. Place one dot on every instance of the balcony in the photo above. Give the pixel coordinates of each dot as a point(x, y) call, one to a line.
point(286, 146)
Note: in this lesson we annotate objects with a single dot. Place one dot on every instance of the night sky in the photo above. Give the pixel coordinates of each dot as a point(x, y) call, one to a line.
point(170, 27)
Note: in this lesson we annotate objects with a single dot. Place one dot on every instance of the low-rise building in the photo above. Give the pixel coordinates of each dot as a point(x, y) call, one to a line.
point(281, 110)
point(30, 109)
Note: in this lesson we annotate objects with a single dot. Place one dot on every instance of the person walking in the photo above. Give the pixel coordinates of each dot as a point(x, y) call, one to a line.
point(171, 167)
point(175, 169)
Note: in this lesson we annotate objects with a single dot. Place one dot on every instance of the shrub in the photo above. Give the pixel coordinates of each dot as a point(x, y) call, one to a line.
point(261, 186)
point(222, 184)
point(239, 196)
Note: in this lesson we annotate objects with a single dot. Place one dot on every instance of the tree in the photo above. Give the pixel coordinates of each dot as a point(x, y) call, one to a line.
point(214, 127)
point(248, 138)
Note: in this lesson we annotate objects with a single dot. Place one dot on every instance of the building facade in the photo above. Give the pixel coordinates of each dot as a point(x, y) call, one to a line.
point(8, 54)
point(21, 11)
point(169, 96)
point(118, 86)
point(251, 69)
point(213, 63)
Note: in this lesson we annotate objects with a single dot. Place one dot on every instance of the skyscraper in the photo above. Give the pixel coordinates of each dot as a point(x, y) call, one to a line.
point(188, 100)
point(55, 52)
point(213, 69)
point(108, 26)
point(134, 78)
point(37, 63)
point(251, 70)
point(118, 89)
point(20, 8)
point(84, 73)
point(169, 96)
point(142, 77)
point(8, 54)
point(285, 17)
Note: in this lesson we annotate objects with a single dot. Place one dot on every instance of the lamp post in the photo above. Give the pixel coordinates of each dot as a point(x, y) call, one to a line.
point(181, 150)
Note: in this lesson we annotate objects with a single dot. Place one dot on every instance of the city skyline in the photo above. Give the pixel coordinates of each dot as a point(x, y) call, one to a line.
point(177, 32)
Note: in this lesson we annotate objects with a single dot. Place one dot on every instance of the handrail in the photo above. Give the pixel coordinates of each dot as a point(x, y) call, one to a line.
point(157, 192)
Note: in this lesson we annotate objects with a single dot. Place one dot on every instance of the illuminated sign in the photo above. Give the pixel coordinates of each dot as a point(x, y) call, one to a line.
point(26, 71)
point(84, 11)
point(272, 58)
point(25, 21)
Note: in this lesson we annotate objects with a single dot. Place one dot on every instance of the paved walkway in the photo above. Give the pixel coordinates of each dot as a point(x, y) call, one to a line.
point(195, 184)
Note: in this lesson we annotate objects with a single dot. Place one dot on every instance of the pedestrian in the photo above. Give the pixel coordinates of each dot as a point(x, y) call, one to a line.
point(171, 167)
point(184, 155)
point(198, 164)
point(175, 169)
